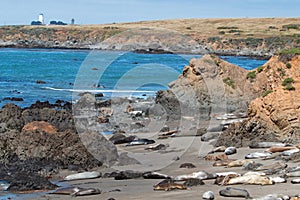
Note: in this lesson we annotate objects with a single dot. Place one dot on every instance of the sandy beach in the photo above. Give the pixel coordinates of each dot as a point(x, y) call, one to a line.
point(143, 188)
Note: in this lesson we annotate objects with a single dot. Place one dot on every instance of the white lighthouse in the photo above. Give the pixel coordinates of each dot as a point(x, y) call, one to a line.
point(41, 18)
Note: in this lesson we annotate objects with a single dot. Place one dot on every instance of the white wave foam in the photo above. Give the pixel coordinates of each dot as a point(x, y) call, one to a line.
point(99, 91)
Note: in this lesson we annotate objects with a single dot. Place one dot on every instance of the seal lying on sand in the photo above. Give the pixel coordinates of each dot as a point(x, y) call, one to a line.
point(223, 162)
point(76, 191)
point(198, 175)
point(275, 149)
point(216, 157)
point(234, 192)
point(256, 155)
point(239, 163)
point(155, 175)
point(169, 186)
point(82, 175)
point(250, 179)
point(274, 166)
point(217, 149)
point(222, 180)
point(140, 142)
point(230, 151)
point(267, 144)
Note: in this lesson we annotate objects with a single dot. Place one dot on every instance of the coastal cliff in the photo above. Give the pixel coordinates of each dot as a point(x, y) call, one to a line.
point(211, 85)
point(268, 94)
point(275, 115)
point(251, 37)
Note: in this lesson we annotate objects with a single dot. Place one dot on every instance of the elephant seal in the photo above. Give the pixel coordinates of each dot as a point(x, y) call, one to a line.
point(169, 186)
point(274, 197)
point(239, 163)
point(266, 145)
point(216, 157)
point(85, 192)
point(155, 175)
point(293, 174)
point(296, 181)
point(290, 152)
point(187, 165)
point(222, 180)
point(66, 190)
point(278, 179)
point(140, 142)
point(76, 191)
point(251, 166)
point(198, 175)
point(224, 163)
point(193, 182)
point(256, 155)
point(230, 150)
point(82, 175)
point(208, 195)
point(234, 192)
point(274, 166)
point(275, 149)
point(157, 147)
point(250, 179)
point(218, 149)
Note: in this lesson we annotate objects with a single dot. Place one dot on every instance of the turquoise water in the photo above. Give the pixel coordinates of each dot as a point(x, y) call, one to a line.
point(66, 71)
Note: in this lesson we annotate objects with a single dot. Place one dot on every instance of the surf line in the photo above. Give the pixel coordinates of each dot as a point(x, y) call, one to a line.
point(97, 91)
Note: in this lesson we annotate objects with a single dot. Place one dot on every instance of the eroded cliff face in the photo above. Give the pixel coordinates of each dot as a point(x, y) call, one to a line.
point(211, 86)
point(275, 115)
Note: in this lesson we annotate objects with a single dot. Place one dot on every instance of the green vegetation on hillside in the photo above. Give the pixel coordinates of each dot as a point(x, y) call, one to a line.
point(287, 83)
point(290, 51)
point(251, 75)
point(229, 82)
point(265, 93)
point(260, 69)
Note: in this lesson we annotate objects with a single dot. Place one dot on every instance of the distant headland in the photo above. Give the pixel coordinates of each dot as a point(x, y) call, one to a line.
point(236, 36)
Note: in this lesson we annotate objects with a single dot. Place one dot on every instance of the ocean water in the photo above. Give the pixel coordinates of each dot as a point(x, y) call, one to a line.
point(69, 72)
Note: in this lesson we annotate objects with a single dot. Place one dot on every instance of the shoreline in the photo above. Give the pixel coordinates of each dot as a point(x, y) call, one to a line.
point(259, 57)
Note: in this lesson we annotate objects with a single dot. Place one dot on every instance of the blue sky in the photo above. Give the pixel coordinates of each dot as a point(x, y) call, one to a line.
point(108, 11)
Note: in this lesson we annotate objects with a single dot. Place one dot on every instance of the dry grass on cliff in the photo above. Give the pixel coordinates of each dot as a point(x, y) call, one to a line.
point(235, 27)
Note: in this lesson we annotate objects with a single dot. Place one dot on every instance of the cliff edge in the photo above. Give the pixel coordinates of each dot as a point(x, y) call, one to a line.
point(275, 115)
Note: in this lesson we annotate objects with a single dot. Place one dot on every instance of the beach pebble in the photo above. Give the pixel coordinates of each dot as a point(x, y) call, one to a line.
point(208, 195)
point(230, 150)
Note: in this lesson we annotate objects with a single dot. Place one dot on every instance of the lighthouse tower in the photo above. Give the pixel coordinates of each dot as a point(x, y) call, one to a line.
point(41, 18)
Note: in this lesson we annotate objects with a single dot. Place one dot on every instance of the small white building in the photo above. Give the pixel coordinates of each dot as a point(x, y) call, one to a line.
point(41, 18)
